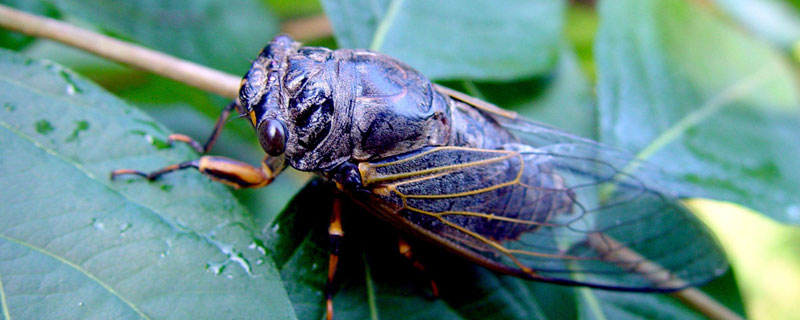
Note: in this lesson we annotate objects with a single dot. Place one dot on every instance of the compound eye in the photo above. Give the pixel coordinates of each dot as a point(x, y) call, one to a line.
point(272, 135)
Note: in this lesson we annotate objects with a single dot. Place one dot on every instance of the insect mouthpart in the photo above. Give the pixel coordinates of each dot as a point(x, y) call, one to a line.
point(272, 136)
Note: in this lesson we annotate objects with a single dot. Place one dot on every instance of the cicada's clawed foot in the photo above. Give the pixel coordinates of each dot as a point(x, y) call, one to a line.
point(212, 139)
point(186, 139)
point(155, 174)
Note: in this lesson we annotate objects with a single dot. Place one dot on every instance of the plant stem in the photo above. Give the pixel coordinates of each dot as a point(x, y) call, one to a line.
point(165, 65)
point(700, 301)
point(218, 82)
point(308, 28)
point(692, 297)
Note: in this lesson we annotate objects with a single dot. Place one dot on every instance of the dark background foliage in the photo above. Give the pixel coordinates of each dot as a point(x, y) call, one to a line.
point(706, 89)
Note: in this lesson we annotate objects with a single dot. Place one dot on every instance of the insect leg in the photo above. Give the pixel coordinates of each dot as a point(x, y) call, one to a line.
point(228, 171)
point(336, 234)
point(226, 112)
point(405, 250)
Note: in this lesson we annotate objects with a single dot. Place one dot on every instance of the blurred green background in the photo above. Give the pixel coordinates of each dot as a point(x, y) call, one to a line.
point(622, 72)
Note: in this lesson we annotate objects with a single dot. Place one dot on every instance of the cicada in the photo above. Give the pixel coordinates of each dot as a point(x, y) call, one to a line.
point(511, 195)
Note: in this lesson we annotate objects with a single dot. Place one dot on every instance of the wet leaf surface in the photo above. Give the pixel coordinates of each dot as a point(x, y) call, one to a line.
point(74, 244)
point(711, 106)
point(450, 40)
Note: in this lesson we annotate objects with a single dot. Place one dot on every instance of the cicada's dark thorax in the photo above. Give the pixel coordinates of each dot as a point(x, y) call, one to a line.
point(394, 108)
point(358, 105)
point(397, 110)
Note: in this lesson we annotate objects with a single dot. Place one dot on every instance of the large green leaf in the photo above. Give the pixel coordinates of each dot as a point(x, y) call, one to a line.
point(775, 20)
point(711, 106)
point(482, 39)
point(74, 244)
point(562, 98)
point(219, 34)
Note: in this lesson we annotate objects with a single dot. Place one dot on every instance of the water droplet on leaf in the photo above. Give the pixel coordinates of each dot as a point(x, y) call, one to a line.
point(216, 267)
point(72, 88)
point(81, 125)
point(258, 245)
point(158, 143)
point(43, 127)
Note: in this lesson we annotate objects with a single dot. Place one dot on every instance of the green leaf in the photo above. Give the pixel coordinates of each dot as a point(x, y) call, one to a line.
point(712, 107)
point(563, 98)
point(219, 34)
point(775, 20)
point(296, 8)
point(580, 30)
point(74, 244)
point(598, 304)
point(490, 40)
point(567, 102)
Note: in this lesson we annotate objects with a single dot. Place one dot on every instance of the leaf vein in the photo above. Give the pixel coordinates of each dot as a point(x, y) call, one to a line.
point(711, 107)
point(77, 268)
point(384, 25)
point(3, 303)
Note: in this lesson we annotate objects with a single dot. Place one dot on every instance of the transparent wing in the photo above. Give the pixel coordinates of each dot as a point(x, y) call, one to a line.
point(552, 207)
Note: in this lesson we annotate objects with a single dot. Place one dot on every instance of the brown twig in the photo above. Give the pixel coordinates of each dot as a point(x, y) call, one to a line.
point(193, 74)
point(308, 28)
point(692, 297)
point(225, 85)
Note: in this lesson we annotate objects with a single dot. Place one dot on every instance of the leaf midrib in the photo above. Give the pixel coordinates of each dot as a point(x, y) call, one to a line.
point(383, 27)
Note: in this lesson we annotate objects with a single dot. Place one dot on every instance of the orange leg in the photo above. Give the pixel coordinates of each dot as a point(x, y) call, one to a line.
point(228, 171)
point(405, 250)
point(336, 234)
point(226, 112)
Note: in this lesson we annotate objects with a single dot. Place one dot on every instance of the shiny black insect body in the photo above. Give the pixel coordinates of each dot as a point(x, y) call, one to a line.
point(514, 196)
